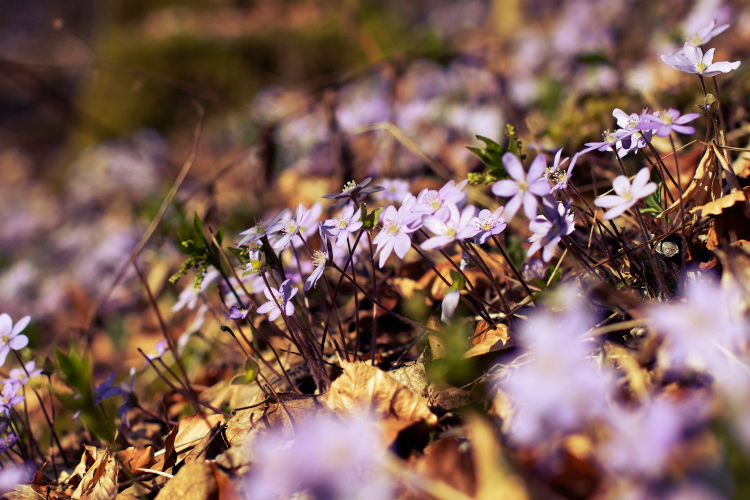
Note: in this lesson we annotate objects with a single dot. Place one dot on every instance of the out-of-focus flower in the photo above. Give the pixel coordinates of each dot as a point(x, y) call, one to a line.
point(663, 123)
point(458, 227)
point(330, 459)
point(449, 304)
point(158, 352)
point(341, 226)
point(558, 389)
point(610, 141)
point(642, 440)
point(354, 192)
point(310, 225)
point(488, 223)
point(549, 228)
point(239, 312)
point(10, 335)
point(705, 34)
point(189, 296)
point(695, 61)
point(394, 190)
point(260, 229)
point(106, 390)
point(435, 203)
point(522, 188)
point(255, 263)
point(7, 442)
point(533, 269)
point(699, 330)
point(626, 195)
point(19, 376)
point(127, 391)
point(12, 475)
point(319, 259)
point(289, 227)
point(395, 233)
point(10, 398)
point(278, 301)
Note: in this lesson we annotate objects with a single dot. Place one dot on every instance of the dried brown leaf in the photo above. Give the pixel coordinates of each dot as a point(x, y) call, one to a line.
point(448, 461)
point(717, 206)
point(100, 481)
point(194, 481)
point(414, 376)
point(705, 186)
point(194, 427)
point(131, 459)
point(362, 388)
point(22, 492)
point(495, 339)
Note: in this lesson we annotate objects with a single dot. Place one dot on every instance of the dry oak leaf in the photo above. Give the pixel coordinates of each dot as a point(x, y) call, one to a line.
point(705, 186)
point(22, 492)
point(488, 340)
point(362, 388)
point(100, 480)
point(194, 481)
point(132, 459)
point(716, 207)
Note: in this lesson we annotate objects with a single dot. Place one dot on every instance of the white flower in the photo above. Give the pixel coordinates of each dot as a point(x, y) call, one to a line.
point(449, 304)
point(457, 227)
point(694, 61)
point(10, 336)
point(626, 195)
point(522, 188)
point(394, 190)
point(290, 227)
point(549, 229)
point(705, 34)
point(189, 296)
point(341, 226)
point(488, 223)
point(278, 301)
point(395, 233)
point(260, 229)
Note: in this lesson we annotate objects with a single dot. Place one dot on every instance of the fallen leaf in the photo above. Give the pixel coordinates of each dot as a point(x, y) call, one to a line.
point(133, 458)
point(22, 492)
point(194, 481)
point(363, 388)
point(100, 481)
point(705, 186)
point(716, 207)
point(414, 376)
point(495, 339)
point(438, 347)
point(449, 461)
point(194, 427)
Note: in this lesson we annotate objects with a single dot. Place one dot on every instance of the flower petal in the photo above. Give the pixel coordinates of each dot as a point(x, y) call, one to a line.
point(529, 205)
point(513, 166)
point(608, 201)
point(512, 206)
point(621, 184)
point(537, 168)
point(505, 188)
point(437, 242)
point(20, 325)
point(402, 244)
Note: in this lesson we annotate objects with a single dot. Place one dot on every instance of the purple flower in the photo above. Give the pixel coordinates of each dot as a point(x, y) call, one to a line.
point(13, 475)
point(705, 34)
point(310, 225)
point(394, 190)
point(694, 61)
point(127, 391)
point(458, 227)
point(106, 390)
point(257, 232)
point(10, 336)
point(626, 195)
point(354, 192)
point(331, 458)
point(341, 226)
point(158, 352)
point(629, 137)
point(289, 227)
point(534, 269)
point(395, 233)
point(610, 140)
point(489, 223)
point(523, 188)
point(667, 121)
point(189, 296)
point(239, 312)
point(560, 178)
point(10, 398)
point(278, 301)
point(549, 228)
point(256, 262)
point(700, 330)
point(6, 443)
point(433, 202)
point(18, 375)
point(556, 164)
point(319, 260)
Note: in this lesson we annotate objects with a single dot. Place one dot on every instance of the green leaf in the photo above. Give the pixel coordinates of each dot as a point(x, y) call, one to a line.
point(369, 221)
point(199, 229)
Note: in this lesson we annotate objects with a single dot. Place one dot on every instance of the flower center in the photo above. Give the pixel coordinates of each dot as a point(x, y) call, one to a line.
point(5, 339)
point(450, 232)
point(627, 196)
point(701, 66)
point(667, 119)
point(290, 227)
point(278, 297)
point(432, 199)
point(319, 259)
point(523, 185)
point(349, 186)
point(391, 227)
point(694, 40)
point(633, 122)
point(341, 222)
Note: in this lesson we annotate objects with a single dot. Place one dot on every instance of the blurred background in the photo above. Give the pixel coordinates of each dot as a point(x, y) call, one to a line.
point(100, 103)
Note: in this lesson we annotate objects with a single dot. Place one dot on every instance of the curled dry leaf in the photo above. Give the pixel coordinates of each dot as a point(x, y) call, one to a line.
point(414, 376)
point(194, 481)
point(716, 207)
point(100, 481)
point(362, 388)
point(132, 459)
point(705, 186)
point(22, 492)
point(489, 339)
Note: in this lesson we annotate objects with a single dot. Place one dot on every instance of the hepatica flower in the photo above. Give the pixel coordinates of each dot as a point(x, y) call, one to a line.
point(458, 227)
point(695, 61)
point(395, 233)
point(630, 137)
point(290, 227)
point(278, 301)
point(705, 34)
point(664, 123)
point(549, 228)
point(610, 141)
point(340, 227)
point(435, 203)
point(257, 232)
point(18, 375)
point(354, 192)
point(393, 191)
point(626, 194)
point(239, 312)
point(559, 177)
point(488, 223)
point(10, 335)
point(10, 398)
point(329, 459)
point(522, 188)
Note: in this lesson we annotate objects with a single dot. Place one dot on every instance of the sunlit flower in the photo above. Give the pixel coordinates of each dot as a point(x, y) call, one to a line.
point(19, 376)
point(549, 228)
point(522, 188)
point(278, 301)
point(449, 304)
point(256, 261)
point(663, 123)
point(695, 61)
point(260, 229)
point(341, 226)
point(394, 190)
point(8, 480)
point(158, 352)
point(106, 390)
point(329, 459)
point(626, 195)
point(290, 227)
point(561, 178)
point(189, 296)
point(435, 203)
point(705, 34)
point(488, 223)
point(533, 269)
point(127, 391)
point(609, 142)
point(629, 136)
point(10, 336)
point(10, 398)
point(395, 233)
point(239, 312)
point(352, 192)
point(458, 227)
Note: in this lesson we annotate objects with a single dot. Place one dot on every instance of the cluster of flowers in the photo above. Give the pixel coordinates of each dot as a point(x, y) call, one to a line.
point(11, 338)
